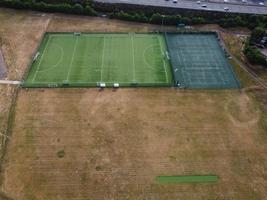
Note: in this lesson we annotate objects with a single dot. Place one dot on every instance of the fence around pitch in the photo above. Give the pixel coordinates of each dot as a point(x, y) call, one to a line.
point(42, 43)
point(77, 85)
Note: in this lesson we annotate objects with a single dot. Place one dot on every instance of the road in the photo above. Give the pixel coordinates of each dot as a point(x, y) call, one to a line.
point(251, 7)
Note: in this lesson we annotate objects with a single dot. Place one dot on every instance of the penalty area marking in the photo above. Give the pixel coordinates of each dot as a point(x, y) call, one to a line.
point(145, 60)
point(59, 61)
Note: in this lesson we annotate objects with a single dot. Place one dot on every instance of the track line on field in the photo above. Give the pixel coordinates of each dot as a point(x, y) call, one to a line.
point(164, 64)
point(133, 59)
point(103, 56)
point(38, 66)
point(72, 58)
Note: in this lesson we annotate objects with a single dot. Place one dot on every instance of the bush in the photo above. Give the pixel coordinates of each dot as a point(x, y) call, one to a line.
point(78, 9)
point(254, 55)
point(90, 11)
point(257, 34)
point(156, 18)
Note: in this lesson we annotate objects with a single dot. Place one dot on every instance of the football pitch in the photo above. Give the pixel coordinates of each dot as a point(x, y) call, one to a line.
point(129, 59)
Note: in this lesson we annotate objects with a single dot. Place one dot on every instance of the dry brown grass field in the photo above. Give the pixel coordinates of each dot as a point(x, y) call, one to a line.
point(81, 144)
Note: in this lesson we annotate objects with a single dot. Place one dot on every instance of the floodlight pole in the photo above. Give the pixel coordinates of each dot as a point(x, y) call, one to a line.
point(162, 22)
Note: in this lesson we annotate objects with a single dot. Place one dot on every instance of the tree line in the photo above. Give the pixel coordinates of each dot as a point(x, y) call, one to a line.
point(56, 6)
point(148, 14)
point(140, 13)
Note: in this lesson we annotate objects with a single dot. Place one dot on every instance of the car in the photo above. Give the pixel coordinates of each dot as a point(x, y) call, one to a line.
point(198, 2)
point(204, 6)
point(226, 1)
point(226, 8)
point(261, 3)
point(175, 1)
point(244, 1)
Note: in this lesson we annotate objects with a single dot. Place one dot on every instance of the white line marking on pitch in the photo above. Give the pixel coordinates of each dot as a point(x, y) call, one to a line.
point(103, 56)
point(133, 59)
point(164, 64)
point(72, 58)
point(40, 60)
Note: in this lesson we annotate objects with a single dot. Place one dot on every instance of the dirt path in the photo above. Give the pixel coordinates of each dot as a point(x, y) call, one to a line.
point(8, 82)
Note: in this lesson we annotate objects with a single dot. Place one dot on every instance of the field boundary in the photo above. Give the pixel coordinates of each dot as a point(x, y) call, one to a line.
point(29, 65)
point(8, 132)
point(224, 50)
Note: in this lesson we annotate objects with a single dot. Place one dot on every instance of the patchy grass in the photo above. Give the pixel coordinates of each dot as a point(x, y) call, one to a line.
point(116, 142)
point(260, 101)
point(61, 153)
point(245, 79)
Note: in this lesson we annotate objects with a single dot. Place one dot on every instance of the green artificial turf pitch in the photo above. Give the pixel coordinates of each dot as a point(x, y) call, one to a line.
point(66, 59)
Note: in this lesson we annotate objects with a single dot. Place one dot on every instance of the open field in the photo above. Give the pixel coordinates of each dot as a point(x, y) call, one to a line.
point(87, 144)
point(90, 59)
point(82, 144)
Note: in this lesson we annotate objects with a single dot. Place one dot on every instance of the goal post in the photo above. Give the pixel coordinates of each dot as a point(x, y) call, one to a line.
point(36, 56)
point(77, 33)
point(167, 55)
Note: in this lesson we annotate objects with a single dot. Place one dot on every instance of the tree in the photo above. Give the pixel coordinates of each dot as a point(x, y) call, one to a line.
point(90, 11)
point(254, 55)
point(156, 18)
point(78, 8)
point(257, 35)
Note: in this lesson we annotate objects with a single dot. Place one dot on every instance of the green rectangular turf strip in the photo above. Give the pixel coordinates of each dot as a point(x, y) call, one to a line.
point(187, 179)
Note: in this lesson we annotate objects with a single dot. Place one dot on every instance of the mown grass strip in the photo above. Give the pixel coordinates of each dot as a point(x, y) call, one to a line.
point(187, 179)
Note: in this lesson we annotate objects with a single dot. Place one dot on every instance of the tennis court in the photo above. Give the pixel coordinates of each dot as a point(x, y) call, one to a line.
point(198, 61)
point(77, 60)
